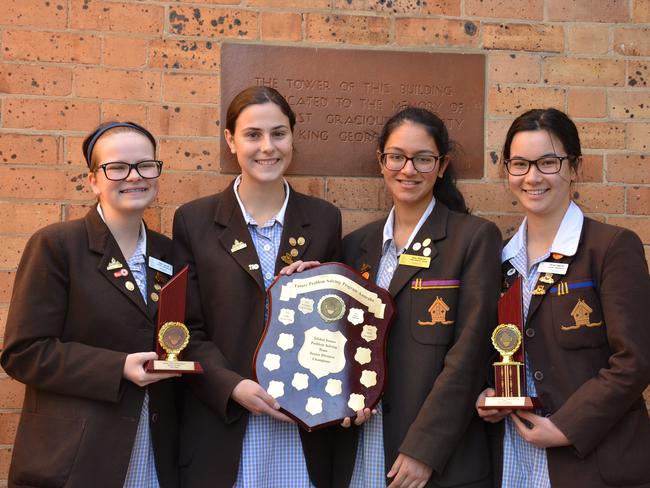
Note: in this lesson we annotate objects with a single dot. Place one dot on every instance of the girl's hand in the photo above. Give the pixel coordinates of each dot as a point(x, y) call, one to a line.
point(362, 417)
point(257, 401)
point(541, 433)
point(135, 373)
point(298, 266)
point(409, 473)
point(491, 415)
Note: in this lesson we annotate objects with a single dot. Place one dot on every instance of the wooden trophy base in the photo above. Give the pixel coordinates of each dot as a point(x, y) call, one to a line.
point(183, 367)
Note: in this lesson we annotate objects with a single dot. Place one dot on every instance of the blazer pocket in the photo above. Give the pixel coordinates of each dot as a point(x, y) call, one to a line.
point(623, 454)
point(433, 313)
point(578, 318)
point(45, 450)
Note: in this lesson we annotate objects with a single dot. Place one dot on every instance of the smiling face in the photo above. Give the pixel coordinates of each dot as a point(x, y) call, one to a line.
point(262, 142)
point(134, 194)
point(407, 186)
point(541, 195)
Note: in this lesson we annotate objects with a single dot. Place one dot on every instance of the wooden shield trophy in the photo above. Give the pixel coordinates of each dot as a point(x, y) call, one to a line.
point(173, 336)
point(510, 370)
point(322, 355)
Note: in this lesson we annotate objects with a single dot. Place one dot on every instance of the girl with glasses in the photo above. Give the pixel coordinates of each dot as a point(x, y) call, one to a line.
point(235, 242)
point(81, 325)
point(441, 266)
point(585, 289)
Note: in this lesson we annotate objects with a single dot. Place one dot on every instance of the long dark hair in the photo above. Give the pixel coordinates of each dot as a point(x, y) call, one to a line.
point(552, 120)
point(257, 95)
point(445, 189)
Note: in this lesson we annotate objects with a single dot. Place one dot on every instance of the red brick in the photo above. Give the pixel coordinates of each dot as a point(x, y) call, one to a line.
point(493, 165)
point(73, 154)
point(588, 10)
point(638, 200)
point(4, 311)
point(8, 426)
point(5, 460)
point(601, 135)
point(436, 32)
point(628, 168)
point(354, 219)
point(639, 225)
point(514, 67)
point(591, 169)
point(6, 285)
point(506, 9)
point(641, 14)
point(178, 188)
point(11, 250)
point(50, 114)
point(79, 211)
point(60, 47)
point(438, 7)
point(524, 37)
point(280, 26)
point(358, 193)
point(36, 13)
point(213, 22)
point(599, 198)
point(580, 71)
point(184, 54)
point(140, 18)
point(632, 42)
point(179, 87)
point(515, 100)
point(587, 103)
point(590, 39)
point(507, 223)
point(125, 52)
point(638, 74)
point(120, 84)
point(184, 120)
point(637, 136)
point(12, 393)
point(29, 149)
point(43, 184)
point(308, 185)
point(35, 80)
point(296, 4)
point(629, 104)
point(26, 218)
point(167, 218)
point(347, 29)
point(496, 133)
point(489, 197)
point(132, 112)
point(189, 154)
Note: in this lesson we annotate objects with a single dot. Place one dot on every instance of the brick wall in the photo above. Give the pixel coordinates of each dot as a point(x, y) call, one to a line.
point(67, 65)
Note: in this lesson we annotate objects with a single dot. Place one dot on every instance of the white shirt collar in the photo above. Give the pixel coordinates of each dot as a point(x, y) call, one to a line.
point(390, 222)
point(279, 217)
point(142, 238)
point(565, 242)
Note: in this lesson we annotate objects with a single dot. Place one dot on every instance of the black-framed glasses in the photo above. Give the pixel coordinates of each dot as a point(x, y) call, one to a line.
point(424, 163)
point(547, 165)
point(119, 170)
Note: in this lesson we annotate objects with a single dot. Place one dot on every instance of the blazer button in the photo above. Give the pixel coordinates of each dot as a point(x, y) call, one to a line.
point(539, 376)
point(530, 332)
point(154, 418)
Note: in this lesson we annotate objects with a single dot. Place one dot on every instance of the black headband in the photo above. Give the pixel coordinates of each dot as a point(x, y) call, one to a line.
point(102, 130)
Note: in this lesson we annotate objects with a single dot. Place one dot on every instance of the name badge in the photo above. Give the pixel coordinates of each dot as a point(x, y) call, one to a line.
point(161, 266)
point(412, 260)
point(553, 268)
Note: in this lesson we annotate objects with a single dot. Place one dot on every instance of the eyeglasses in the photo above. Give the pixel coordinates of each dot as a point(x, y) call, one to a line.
point(422, 164)
point(547, 165)
point(119, 170)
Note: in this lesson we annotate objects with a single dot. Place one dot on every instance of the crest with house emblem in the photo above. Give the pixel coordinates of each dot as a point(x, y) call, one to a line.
point(581, 314)
point(438, 311)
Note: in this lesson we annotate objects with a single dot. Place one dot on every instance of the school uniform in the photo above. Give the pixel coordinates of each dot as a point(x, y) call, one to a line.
point(228, 276)
point(75, 314)
point(586, 344)
point(438, 344)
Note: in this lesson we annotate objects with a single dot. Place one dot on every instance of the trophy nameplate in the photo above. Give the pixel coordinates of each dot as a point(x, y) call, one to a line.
point(510, 370)
point(173, 336)
point(322, 355)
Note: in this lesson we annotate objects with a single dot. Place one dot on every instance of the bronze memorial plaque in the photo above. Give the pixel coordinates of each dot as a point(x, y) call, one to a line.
point(342, 97)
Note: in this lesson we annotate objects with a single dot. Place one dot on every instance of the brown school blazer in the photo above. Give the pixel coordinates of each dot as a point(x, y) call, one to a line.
point(71, 324)
point(436, 371)
point(591, 364)
point(225, 314)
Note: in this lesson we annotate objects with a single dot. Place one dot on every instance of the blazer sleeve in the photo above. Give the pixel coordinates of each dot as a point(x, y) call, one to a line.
point(624, 287)
point(215, 386)
point(34, 352)
point(449, 407)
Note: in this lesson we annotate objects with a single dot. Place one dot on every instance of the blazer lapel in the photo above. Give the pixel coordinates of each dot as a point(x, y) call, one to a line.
point(295, 234)
point(370, 248)
point(544, 283)
point(235, 237)
point(434, 228)
point(156, 279)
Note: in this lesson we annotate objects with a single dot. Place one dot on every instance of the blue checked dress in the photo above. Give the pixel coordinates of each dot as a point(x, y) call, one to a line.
point(272, 455)
point(524, 465)
point(142, 467)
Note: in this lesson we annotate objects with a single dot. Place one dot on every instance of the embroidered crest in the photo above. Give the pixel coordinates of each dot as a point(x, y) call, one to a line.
point(438, 311)
point(286, 258)
point(581, 316)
